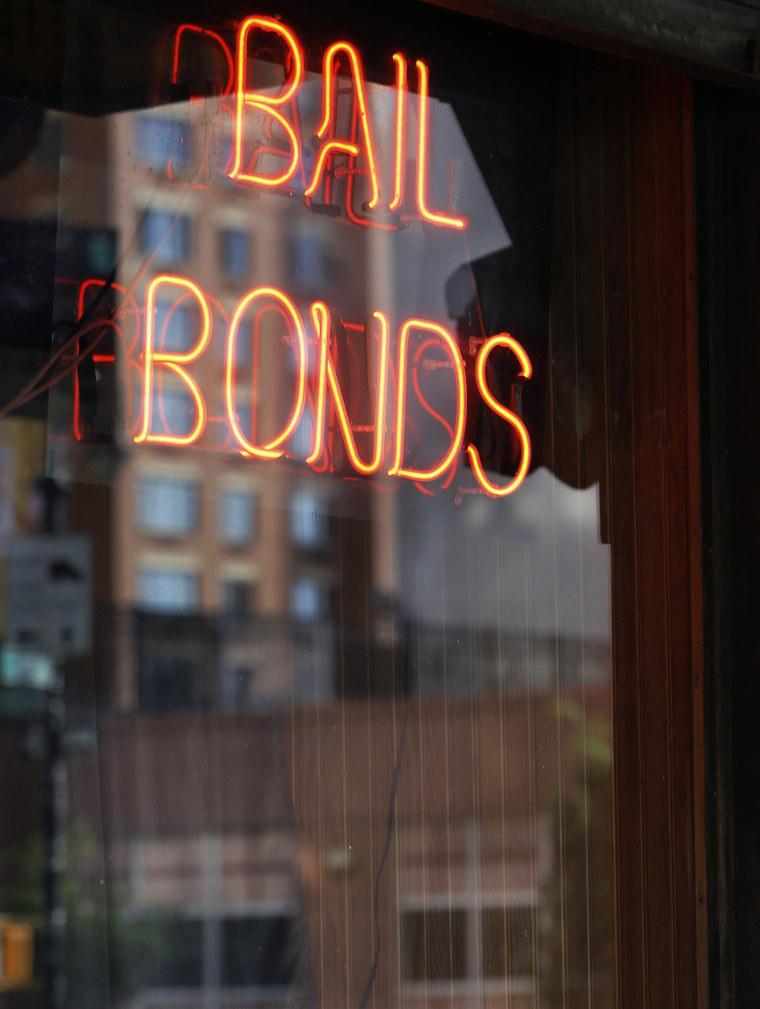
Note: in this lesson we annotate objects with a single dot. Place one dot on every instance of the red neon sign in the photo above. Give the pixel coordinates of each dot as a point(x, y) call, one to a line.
point(275, 447)
point(267, 124)
point(206, 35)
point(492, 489)
point(268, 105)
point(423, 128)
point(129, 313)
point(326, 376)
point(422, 345)
point(175, 362)
point(448, 459)
point(422, 379)
point(329, 102)
point(399, 161)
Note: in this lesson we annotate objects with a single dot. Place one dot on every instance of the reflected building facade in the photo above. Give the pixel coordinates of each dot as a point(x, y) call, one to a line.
point(353, 737)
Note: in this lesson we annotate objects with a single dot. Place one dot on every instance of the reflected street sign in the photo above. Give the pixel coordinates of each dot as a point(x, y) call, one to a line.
point(48, 594)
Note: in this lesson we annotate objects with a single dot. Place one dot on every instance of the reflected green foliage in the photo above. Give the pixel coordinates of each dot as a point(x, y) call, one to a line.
point(108, 955)
point(578, 946)
point(21, 891)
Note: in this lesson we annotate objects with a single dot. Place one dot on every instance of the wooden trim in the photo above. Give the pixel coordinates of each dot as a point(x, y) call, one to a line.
point(693, 451)
point(625, 214)
point(656, 578)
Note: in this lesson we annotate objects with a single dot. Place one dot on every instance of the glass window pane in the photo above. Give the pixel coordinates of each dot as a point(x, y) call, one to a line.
point(435, 945)
point(177, 326)
point(163, 144)
point(166, 682)
point(165, 236)
point(308, 262)
point(166, 590)
point(509, 947)
point(167, 507)
point(309, 599)
point(236, 516)
point(235, 253)
point(173, 411)
point(258, 952)
point(309, 523)
point(353, 586)
point(175, 959)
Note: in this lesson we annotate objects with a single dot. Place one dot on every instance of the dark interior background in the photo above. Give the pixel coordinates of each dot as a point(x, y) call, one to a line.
point(728, 210)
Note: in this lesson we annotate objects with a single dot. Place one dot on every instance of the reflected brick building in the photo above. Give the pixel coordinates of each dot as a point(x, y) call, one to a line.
point(295, 672)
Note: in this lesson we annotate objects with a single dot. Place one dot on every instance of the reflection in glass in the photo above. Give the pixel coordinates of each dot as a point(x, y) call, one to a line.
point(236, 516)
point(235, 253)
point(176, 326)
point(165, 237)
point(167, 507)
point(309, 600)
point(309, 525)
point(337, 715)
point(167, 590)
point(163, 144)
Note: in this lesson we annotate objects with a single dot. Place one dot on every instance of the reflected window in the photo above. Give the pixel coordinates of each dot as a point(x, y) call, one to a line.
point(223, 154)
point(439, 943)
point(167, 507)
point(176, 649)
point(508, 941)
point(166, 682)
point(167, 590)
point(300, 444)
point(175, 959)
point(483, 929)
point(434, 945)
point(163, 144)
point(251, 951)
point(258, 951)
point(177, 326)
point(238, 598)
point(236, 517)
point(235, 253)
point(173, 411)
point(309, 600)
point(165, 236)
point(236, 686)
point(309, 521)
point(308, 262)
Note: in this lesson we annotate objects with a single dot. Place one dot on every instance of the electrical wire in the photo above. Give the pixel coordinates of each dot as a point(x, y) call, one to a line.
point(33, 389)
point(391, 821)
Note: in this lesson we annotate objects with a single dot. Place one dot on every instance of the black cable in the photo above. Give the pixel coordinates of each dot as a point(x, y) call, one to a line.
point(94, 304)
point(391, 818)
point(33, 388)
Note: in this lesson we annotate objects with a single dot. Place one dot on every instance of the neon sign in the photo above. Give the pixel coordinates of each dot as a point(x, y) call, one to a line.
point(175, 362)
point(267, 126)
point(318, 388)
point(270, 380)
point(269, 105)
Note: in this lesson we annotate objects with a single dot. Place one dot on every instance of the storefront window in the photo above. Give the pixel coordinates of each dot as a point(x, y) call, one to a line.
point(337, 435)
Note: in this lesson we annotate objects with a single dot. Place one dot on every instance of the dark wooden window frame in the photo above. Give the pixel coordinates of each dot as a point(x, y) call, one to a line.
point(625, 211)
